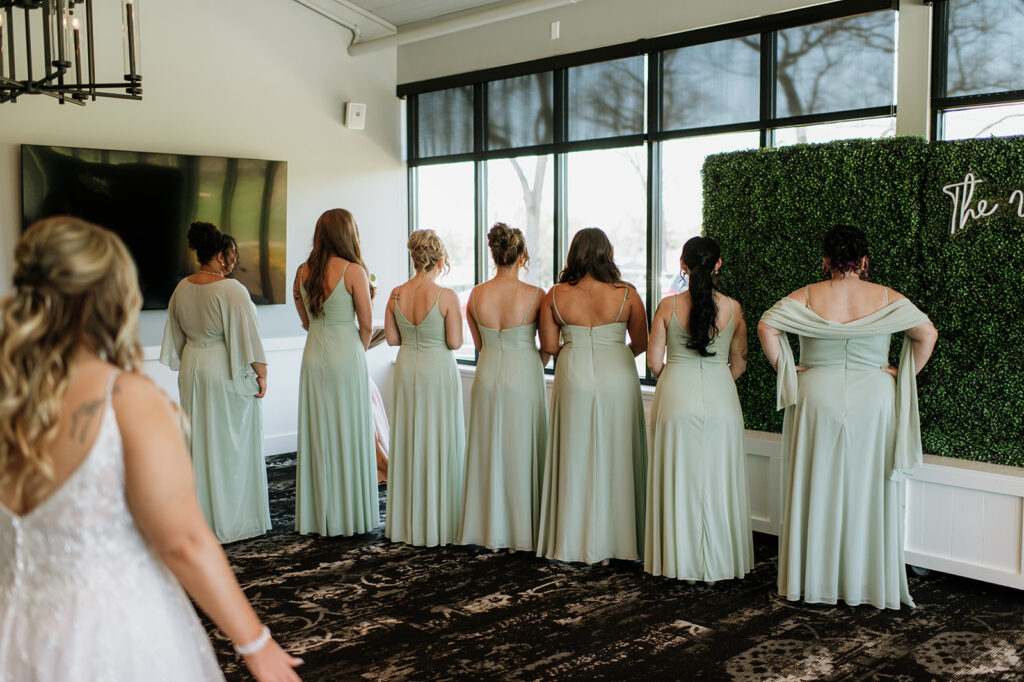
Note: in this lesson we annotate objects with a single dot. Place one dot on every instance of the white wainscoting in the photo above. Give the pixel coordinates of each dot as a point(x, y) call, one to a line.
point(963, 518)
point(967, 518)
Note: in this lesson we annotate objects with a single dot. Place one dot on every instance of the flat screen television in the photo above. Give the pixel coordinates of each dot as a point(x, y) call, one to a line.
point(150, 199)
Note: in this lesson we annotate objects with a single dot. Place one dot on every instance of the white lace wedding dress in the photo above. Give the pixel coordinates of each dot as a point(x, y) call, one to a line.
point(83, 596)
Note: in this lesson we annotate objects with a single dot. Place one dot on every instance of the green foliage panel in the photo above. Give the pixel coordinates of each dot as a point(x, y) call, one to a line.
point(972, 391)
point(769, 209)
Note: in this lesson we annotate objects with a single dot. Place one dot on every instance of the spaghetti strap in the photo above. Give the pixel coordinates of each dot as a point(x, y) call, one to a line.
point(623, 304)
point(438, 297)
point(344, 270)
point(528, 310)
point(554, 304)
point(807, 297)
point(886, 294)
point(110, 385)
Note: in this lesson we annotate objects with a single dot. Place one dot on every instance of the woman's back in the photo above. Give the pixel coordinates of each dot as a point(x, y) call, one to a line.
point(338, 304)
point(419, 318)
point(199, 308)
point(590, 303)
point(845, 300)
point(678, 335)
point(505, 304)
point(76, 564)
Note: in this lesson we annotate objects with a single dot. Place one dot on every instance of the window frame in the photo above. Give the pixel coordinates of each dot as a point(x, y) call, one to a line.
point(651, 138)
point(940, 101)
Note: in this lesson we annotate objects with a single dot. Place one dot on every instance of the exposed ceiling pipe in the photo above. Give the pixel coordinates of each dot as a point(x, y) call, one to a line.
point(440, 27)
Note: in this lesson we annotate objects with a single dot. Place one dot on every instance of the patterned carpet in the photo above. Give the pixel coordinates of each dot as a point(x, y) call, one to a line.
point(364, 608)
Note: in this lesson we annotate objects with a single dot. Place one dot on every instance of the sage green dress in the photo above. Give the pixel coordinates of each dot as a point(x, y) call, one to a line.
point(698, 516)
point(211, 340)
point(595, 468)
point(428, 437)
point(850, 435)
point(506, 439)
point(336, 475)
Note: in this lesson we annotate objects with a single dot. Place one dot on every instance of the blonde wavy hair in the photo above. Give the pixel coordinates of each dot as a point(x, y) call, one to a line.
point(75, 286)
point(427, 251)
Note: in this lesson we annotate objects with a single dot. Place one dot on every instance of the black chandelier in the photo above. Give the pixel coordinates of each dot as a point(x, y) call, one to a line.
point(52, 32)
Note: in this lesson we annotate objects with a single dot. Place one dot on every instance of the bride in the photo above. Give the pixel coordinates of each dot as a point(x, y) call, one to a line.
point(98, 517)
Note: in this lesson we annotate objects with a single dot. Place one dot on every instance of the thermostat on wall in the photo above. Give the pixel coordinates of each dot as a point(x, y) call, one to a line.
point(355, 115)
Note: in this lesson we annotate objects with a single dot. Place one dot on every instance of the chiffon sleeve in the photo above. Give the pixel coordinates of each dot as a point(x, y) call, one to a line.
point(174, 337)
point(908, 451)
point(242, 338)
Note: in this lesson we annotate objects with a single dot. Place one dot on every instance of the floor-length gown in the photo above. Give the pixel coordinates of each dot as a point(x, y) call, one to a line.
point(595, 468)
point(336, 473)
point(428, 438)
point(849, 434)
point(698, 517)
point(506, 440)
point(211, 339)
point(82, 595)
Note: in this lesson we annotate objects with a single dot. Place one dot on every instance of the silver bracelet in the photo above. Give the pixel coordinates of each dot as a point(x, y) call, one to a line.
point(255, 645)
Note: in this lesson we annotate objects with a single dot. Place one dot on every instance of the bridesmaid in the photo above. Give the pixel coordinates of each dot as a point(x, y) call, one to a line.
point(507, 420)
point(592, 500)
point(212, 340)
point(427, 433)
point(698, 520)
point(851, 430)
point(336, 481)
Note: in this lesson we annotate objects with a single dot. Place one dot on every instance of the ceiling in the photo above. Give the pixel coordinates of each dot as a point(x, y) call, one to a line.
point(404, 12)
point(406, 20)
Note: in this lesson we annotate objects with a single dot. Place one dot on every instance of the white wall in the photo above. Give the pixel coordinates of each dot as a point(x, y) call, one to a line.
point(598, 23)
point(248, 78)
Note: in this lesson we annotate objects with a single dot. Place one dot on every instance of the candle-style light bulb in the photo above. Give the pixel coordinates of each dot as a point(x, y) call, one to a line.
point(78, 53)
point(130, 28)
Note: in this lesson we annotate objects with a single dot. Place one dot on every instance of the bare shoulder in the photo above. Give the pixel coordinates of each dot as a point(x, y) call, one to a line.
point(893, 294)
point(356, 274)
point(801, 293)
point(448, 296)
point(136, 397)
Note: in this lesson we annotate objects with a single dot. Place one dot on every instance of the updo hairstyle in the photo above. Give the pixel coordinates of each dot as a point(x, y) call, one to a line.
point(845, 247)
point(427, 251)
point(507, 245)
point(701, 254)
point(75, 286)
point(207, 241)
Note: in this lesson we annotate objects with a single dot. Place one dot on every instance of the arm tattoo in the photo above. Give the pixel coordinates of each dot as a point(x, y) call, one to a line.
point(80, 419)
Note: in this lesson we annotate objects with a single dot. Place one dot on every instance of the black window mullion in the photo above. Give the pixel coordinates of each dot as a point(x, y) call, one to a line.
point(654, 236)
point(940, 56)
point(412, 128)
point(769, 68)
point(414, 208)
point(560, 179)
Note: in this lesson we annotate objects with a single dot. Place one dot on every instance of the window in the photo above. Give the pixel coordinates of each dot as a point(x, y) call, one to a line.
point(682, 197)
point(520, 192)
point(617, 138)
point(978, 68)
point(445, 204)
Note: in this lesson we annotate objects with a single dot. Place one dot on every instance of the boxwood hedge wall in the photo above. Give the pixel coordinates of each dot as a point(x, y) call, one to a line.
point(769, 208)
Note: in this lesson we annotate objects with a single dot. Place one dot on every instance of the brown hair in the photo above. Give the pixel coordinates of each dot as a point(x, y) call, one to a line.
point(507, 245)
point(336, 235)
point(76, 285)
point(427, 251)
point(590, 253)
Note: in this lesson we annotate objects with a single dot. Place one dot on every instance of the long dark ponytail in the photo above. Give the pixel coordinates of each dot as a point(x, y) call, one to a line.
point(701, 254)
